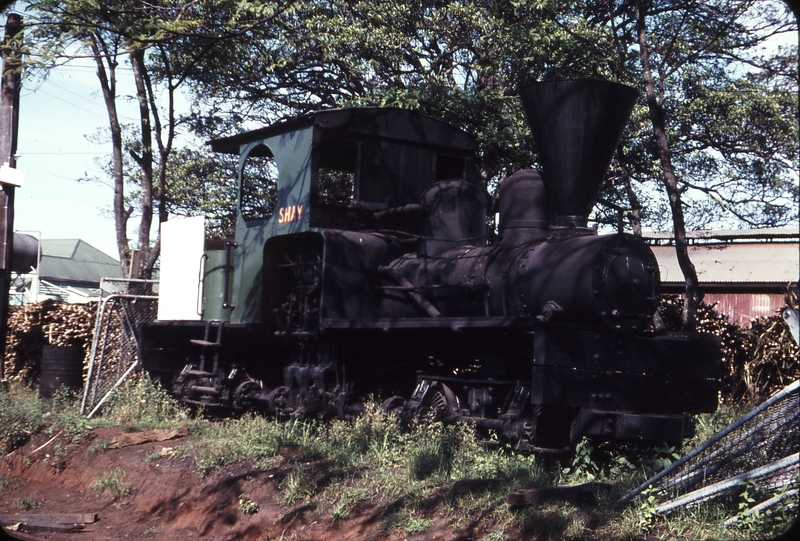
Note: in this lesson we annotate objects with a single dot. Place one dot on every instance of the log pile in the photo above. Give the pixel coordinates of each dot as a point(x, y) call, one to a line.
point(756, 361)
point(32, 326)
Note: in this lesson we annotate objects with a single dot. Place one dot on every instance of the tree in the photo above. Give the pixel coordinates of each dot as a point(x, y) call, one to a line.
point(160, 41)
point(726, 123)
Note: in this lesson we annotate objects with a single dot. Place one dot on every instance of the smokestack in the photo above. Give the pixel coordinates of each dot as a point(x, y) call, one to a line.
point(577, 126)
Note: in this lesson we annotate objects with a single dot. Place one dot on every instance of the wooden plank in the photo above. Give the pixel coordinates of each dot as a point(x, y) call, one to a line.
point(463, 486)
point(583, 494)
point(59, 528)
point(159, 434)
point(48, 518)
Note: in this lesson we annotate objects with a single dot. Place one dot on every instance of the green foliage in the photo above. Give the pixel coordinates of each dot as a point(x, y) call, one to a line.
point(5, 483)
point(297, 485)
point(26, 504)
point(582, 462)
point(112, 482)
point(65, 411)
point(252, 437)
point(646, 510)
point(99, 445)
point(414, 524)
point(143, 404)
point(246, 505)
point(20, 417)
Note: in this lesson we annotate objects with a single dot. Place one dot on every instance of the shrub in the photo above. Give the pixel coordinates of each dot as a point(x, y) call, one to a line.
point(143, 404)
point(113, 482)
point(20, 417)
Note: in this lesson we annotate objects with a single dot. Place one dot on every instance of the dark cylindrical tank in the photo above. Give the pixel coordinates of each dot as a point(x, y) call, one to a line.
point(25, 253)
point(453, 212)
point(61, 366)
point(524, 216)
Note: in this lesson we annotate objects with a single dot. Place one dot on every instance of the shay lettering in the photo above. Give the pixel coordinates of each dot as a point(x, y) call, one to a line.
point(290, 214)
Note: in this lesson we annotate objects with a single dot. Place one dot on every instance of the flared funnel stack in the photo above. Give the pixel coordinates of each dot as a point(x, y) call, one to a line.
point(577, 126)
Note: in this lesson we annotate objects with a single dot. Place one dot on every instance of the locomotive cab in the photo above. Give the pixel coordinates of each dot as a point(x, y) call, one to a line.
point(342, 170)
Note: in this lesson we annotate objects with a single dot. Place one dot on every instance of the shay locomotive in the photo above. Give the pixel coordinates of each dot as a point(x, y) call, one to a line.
point(368, 271)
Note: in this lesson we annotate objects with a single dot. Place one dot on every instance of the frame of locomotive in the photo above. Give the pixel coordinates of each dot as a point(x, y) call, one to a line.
point(367, 272)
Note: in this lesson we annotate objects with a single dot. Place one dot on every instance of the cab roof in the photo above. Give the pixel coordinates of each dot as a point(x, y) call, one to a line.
point(387, 123)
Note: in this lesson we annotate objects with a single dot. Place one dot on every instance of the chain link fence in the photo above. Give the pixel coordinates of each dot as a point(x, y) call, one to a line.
point(124, 306)
point(760, 448)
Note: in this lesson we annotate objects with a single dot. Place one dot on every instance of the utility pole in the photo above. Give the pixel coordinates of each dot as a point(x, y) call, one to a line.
point(9, 124)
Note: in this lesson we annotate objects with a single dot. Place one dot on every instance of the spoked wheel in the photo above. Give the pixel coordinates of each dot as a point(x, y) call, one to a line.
point(440, 401)
point(394, 405)
point(431, 398)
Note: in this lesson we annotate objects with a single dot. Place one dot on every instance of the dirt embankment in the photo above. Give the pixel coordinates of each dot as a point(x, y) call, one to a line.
point(137, 495)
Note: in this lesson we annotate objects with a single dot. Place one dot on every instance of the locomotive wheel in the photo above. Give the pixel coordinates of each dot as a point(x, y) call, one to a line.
point(349, 403)
point(244, 392)
point(280, 401)
point(440, 401)
point(394, 405)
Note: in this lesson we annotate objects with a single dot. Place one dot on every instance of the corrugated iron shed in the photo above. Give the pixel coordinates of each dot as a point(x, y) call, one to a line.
point(75, 261)
point(776, 263)
point(727, 235)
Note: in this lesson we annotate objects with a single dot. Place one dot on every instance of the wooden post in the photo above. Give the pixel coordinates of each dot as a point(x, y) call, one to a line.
point(9, 123)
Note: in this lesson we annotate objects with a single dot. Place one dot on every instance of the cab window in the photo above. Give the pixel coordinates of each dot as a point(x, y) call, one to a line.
point(259, 192)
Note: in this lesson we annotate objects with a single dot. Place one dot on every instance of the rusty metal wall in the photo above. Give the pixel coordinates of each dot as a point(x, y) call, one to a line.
point(742, 307)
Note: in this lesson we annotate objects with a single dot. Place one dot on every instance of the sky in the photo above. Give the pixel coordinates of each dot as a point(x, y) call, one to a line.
point(55, 118)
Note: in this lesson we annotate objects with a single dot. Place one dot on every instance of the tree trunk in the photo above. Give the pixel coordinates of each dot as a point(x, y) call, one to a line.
point(693, 295)
point(635, 215)
point(145, 160)
point(108, 86)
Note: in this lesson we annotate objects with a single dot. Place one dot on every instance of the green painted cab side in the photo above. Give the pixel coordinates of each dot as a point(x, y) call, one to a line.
point(292, 153)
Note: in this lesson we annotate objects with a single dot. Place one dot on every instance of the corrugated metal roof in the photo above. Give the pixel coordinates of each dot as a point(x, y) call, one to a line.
point(741, 262)
point(76, 261)
point(728, 234)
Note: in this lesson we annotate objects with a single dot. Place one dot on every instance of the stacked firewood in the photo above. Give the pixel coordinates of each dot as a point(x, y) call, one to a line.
point(756, 361)
point(32, 326)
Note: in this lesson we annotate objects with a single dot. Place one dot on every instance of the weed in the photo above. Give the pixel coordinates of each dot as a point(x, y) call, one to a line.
point(499, 535)
point(26, 505)
point(414, 524)
point(66, 415)
point(20, 418)
point(143, 404)
point(150, 532)
point(295, 486)
point(347, 499)
point(56, 457)
point(114, 482)
point(246, 505)
point(431, 448)
point(647, 510)
point(99, 445)
point(5, 483)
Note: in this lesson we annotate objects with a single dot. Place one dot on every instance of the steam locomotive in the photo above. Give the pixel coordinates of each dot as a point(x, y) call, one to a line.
point(368, 272)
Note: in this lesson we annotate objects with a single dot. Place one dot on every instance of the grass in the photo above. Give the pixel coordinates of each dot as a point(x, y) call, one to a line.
point(112, 482)
point(5, 483)
point(402, 475)
point(21, 416)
